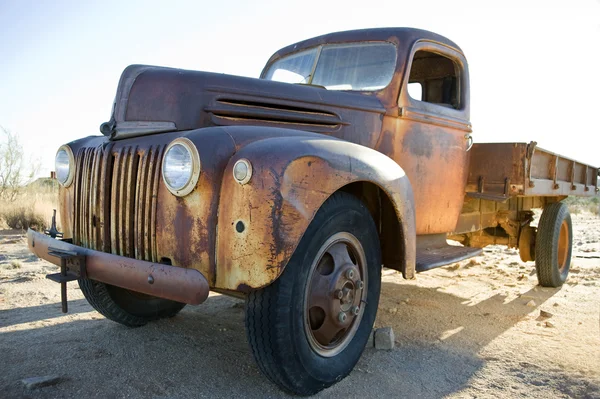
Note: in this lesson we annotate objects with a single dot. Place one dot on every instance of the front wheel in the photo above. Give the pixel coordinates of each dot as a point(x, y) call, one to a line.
point(129, 308)
point(308, 329)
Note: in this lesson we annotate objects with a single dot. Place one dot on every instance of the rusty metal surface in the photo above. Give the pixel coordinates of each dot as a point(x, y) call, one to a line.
point(115, 205)
point(194, 99)
point(119, 204)
point(169, 282)
point(281, 199)
point(520, 169)
point(430, 143)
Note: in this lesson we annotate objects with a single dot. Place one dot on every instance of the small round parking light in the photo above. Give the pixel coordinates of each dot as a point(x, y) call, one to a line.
point(242, 171)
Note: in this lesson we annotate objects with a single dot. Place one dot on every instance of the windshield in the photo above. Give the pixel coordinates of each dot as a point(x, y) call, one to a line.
point(357, 66)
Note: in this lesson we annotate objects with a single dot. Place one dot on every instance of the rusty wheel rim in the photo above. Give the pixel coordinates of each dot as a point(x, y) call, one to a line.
point(335, 294)
point(563, 246)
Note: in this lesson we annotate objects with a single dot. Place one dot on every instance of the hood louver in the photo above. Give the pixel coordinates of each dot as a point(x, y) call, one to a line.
point(234, 111)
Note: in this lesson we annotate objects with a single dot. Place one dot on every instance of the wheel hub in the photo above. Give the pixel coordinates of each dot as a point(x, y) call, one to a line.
point(335, 294)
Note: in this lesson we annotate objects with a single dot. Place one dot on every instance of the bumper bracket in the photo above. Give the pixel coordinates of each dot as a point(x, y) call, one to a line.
point(72, 267)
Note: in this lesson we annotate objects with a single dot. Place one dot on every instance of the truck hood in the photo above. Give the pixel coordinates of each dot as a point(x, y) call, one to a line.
point(154, 99)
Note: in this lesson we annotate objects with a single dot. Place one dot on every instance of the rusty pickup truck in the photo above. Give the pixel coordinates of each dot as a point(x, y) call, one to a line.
point(352, 152)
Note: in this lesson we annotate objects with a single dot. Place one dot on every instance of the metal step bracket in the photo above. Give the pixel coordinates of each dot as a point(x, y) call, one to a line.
point(72, 267)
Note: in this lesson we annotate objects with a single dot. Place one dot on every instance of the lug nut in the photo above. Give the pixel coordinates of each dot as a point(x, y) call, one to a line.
point(338, 294)
point(355, 310)
point(342, 317)
point(350, 274)
point(360, 284)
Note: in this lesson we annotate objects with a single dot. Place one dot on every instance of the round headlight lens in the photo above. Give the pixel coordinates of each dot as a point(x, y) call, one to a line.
point(63, 164)
point(181, 167)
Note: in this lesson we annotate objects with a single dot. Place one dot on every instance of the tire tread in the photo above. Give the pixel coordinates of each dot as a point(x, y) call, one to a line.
point(267, 339)
point(546, 242)
point(99, 298)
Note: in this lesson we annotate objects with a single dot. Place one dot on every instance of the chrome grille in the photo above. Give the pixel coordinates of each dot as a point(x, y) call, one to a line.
point(115, 200)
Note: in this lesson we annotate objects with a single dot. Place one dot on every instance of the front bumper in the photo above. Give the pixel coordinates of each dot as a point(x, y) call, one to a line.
point(163, 281)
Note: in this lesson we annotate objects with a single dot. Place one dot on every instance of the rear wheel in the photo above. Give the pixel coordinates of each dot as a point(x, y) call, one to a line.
point(129, 308)
point(553, 245)
point(308, 329)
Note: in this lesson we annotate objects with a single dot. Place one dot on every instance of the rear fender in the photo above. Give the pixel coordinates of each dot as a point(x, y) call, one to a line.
point(260, 223)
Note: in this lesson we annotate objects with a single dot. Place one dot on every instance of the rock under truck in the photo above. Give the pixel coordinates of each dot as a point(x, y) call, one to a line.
point(352, 151)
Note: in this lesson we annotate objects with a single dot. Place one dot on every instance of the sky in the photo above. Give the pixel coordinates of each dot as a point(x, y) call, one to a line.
point(534, 65)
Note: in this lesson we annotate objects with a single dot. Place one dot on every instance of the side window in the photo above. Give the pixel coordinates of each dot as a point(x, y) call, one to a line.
point(437, 77)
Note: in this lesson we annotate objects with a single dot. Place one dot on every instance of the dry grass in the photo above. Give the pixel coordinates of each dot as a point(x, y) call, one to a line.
point(578, 205)
point(15, 264)
point(33, 208)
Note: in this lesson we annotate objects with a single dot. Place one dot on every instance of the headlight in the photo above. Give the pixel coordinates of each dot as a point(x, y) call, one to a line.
point(64, 164)
point(181, 167)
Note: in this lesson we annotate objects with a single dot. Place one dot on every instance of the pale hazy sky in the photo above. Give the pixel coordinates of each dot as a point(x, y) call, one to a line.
point(534, 64)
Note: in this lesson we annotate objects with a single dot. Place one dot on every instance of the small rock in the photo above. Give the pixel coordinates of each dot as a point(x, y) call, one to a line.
point(521, 277)
point(543, 313)
point(580, 323)
point(393, 310)
point(407, 300)
point(549, 325)
point(39, 382)
point(513, 264)
point(384, 338)
point(510, 285)
point(531, 303)
point(555, 304)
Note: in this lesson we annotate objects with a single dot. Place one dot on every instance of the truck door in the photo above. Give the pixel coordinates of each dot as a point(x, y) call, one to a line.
point(431, 134)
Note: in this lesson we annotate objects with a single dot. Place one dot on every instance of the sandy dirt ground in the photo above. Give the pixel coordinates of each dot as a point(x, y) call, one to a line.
point(467, 330)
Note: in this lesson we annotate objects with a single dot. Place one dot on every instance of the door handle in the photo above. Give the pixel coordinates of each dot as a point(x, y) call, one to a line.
point(469, 141)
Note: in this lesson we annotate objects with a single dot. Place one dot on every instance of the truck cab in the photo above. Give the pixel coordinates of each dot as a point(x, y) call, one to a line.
point(427, 133)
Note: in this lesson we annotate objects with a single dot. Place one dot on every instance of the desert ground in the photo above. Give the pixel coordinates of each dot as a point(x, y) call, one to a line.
point(481, 328)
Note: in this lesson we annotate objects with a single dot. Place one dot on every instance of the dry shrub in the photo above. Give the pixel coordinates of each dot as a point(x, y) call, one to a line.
point(22, 218)
point(33, 209)
point(15, 264)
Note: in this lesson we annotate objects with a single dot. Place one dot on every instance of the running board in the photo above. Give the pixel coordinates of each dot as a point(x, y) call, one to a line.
point(433, 251)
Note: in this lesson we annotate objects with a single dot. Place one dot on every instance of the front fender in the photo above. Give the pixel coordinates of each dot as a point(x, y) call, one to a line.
point(261, 223)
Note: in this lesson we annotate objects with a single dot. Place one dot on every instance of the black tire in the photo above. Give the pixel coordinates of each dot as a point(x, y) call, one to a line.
point(127, 307)
point(553, 245)
point(276, 319)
